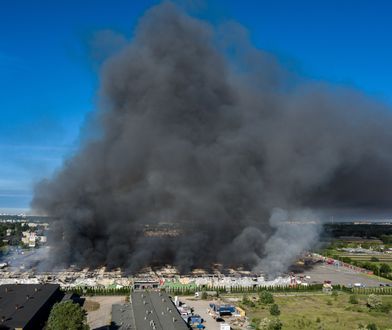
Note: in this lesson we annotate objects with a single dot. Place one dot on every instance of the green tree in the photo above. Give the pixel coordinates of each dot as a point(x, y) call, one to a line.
point(374, 301)
point(386, 239)
point(385, 269)
point(266, 297)
point(347, 260)
point(67, 316)
point(274, 310)
point(374, 259)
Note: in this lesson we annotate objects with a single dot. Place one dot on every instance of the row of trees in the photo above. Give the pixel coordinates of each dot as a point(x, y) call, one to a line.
point(186, 290)
point(386, 239)
point(379, 291)
point(99, 291)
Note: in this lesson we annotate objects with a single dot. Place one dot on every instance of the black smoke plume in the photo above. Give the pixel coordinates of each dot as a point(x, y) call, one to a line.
point(201, 135)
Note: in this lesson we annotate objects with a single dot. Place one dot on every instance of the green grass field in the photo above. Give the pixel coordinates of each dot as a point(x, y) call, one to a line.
point(322, 311)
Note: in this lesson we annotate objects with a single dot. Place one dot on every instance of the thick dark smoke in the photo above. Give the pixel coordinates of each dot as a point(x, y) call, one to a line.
point(200, 131)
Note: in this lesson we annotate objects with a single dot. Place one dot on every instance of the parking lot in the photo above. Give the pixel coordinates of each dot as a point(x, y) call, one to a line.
point(341, 275)
point(201, 307)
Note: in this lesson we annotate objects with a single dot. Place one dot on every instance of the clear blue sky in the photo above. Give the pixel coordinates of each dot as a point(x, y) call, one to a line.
point(47, 81)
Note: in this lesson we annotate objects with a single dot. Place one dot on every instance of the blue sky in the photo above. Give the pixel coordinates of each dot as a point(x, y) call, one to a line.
point(48, 81)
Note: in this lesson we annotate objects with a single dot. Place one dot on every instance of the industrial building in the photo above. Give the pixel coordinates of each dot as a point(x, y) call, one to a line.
point(145, 284)
point(148, 310)
point(27, 306)
point(156, 311)
point(122, 317)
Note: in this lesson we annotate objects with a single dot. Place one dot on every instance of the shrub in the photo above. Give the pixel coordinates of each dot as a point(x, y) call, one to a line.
point(245, 299)
point(266, 297)
point(374, 259)
point(255, 323)
point(274, 310)
point(268, 324)
point(371, 326)
point(385, 269)
point(353, 300)
point(384, 308)
point(374, 301)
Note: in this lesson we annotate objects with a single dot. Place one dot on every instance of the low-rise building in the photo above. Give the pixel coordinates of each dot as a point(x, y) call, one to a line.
point(27, 306)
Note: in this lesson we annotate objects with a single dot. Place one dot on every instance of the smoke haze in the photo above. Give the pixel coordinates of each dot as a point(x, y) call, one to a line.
point(199, 130)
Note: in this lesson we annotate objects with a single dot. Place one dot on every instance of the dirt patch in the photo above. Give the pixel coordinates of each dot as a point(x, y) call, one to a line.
point(90, 306)
point(101, 317)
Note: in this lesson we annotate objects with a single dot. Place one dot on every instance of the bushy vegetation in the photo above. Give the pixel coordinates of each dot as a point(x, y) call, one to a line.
point(374, 301)
point(247, 302)
point(353, 300)
point(266, 324)
point(274, 310)
point(386, 239)
point(67, 316)
point(266, 297)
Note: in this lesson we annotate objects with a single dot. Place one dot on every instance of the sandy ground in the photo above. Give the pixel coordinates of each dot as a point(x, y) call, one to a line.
point(340, 275)
point(100, 318)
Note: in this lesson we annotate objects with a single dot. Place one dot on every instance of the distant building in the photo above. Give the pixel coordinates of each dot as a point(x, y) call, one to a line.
point(42, 239)
point(8, 232)
point(29, 238)
point(27, 306)
point(145, 284)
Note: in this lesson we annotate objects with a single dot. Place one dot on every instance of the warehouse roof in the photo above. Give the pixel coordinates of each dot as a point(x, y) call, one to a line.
point(155, 310)
point(19, 303)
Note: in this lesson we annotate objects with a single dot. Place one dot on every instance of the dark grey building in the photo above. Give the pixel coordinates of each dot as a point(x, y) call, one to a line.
point(27, 306)
point(122, 317)
point(156, 311)
point(145, 285)
point(148, 311)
